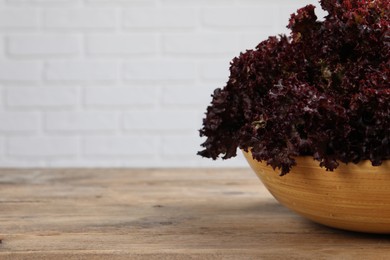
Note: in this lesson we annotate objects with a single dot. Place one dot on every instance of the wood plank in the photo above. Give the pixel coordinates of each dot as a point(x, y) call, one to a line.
point(160, 214)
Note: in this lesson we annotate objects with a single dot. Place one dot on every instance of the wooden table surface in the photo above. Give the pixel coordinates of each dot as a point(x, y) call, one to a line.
point(161, 214)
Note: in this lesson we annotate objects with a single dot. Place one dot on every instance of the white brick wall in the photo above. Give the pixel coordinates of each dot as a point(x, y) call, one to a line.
point(43, 44)
point(90, 70)
point(119, 82)
point(160, 18)
point(160, 70)
point(16, 18)
point(16, 71)
point(123, 44)
point(41, 97)
point(80, 18)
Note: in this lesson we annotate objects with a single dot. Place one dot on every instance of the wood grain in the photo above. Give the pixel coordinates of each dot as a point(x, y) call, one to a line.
point(160, 214)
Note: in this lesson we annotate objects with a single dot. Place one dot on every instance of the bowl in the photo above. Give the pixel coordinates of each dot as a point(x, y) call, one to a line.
point(354, 197)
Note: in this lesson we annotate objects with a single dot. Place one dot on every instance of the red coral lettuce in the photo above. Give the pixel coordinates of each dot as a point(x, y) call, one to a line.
point(323, 91)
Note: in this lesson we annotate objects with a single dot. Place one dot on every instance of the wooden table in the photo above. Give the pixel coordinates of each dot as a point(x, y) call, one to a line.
point(161, 214)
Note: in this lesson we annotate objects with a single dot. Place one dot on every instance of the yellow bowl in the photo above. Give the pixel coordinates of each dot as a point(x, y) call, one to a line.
point(354, 197)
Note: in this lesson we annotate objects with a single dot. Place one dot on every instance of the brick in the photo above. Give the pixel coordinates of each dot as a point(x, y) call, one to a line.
point(121, 96)
point(181, 145)
point(160, 70)
point(2, 47)
point(46, 2)
point(53, 96)
point(83, 18)
point(161, 120)
point(251, 40)
point(88, 162)
point(215, 70)
point(136, 43)
point(256, 3)
point(13, 122)
point(160, 18)
point(201, 43)
point(81, 121)
point(19, 18)
point(239, 18)
point(42, 146)
point(2, 149)
point(17, 162)
point(197, 3)
point(180, 151)
point(44, 44)
point(81, 70)
point(120, 146)
point(184, 95)
point(126, 2)
point(20, 70)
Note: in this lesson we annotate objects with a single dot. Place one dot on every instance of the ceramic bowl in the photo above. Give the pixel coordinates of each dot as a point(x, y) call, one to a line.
point(354, 197)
